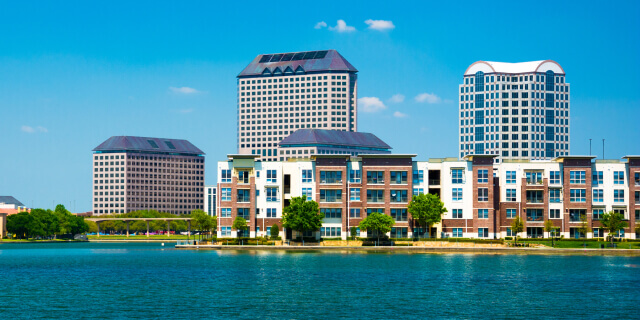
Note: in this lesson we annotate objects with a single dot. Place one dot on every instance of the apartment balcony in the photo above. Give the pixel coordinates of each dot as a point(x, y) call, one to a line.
point(434, 182)
point(533, 182)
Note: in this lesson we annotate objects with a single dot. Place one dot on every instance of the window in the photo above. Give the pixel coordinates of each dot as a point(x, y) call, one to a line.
point(534, 177)
point(597, 233)
point(598, 195)
point(417, 191)
point(456, 232)
point(378, 210)
point(398, 232)
point(511, 213)
point(554, 177)
point(456, 194)
point(225, 176)
point(597, 178)
point(534, 196)
point(375, 195)
point(271, 176)
point(354, 176)
point(457, 213)
point(554, 214)
point(511, 177)
point(399, 196)
point(330, 232)
point(243, 177)
point(483, 232)
point(578, 195)
point(354, 194)
point(399, 214)
point(307, 176)
point(225, 212)
point(483, 176)
point(597, 214)
point(457, 176)
point(225, 231)
point(510, 233)
point(354, 213)
point(483, 194)
point(272, 212)
point(555, 195)
point(511, 194)
point(618, 195)
point(306, 192)
point(575, 215)
point(330, 195)
point(636, 178)
point(375, 177)
point(418, 176)
point(330, 176)
point(535, 215)
point(244, 213)
point(272, 194)
point(225, 194)
point(398, 177)
point(330, 213)
point(618, 177)
point(637, 197)
point(577, 177)
point(483, 213)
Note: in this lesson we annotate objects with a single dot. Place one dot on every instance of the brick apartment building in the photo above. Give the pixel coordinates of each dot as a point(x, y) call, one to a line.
point(482, 198)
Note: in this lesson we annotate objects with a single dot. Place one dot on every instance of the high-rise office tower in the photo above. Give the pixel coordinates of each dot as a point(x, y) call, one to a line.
point(515, 110)
point(280, 93)
point(137, 173)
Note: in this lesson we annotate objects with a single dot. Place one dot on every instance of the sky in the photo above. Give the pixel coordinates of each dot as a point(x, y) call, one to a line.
point(74, 73)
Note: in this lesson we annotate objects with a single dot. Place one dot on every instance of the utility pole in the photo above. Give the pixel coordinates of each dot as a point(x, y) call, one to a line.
point(589, 146)
point(603, 149)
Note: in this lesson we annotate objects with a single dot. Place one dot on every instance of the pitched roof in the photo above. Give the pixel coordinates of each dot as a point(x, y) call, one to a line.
point(11, 200)
point(129, 143)
point(334, 137)
point(310, 61)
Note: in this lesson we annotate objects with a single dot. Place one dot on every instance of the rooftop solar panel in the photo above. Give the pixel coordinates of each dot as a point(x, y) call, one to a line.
point(298, 56)
point(265, 58)
point(170, 145)
point(153, 144)
point(321, 54)
point(287, 56)
point(276, 58)
point(309, 55)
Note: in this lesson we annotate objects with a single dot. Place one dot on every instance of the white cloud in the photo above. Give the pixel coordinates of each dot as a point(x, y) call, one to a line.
point(30, 129)
point(320, 25)
point(371, 104)
point(189, 110)
point(399, 114)
point(342, 27)
point(397, 98)
point(183, 90)
point(380, 25)
point(428, 98)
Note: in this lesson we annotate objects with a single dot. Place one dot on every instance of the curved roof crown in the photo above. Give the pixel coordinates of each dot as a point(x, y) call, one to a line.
point(514, 68)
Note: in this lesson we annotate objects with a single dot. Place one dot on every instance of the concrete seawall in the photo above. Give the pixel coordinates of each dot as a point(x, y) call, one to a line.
point(432, 250)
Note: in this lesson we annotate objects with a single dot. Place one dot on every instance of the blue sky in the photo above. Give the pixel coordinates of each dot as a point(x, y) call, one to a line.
point(73, 74)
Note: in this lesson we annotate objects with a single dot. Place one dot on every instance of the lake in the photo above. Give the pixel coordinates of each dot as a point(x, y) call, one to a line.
point(146, 280)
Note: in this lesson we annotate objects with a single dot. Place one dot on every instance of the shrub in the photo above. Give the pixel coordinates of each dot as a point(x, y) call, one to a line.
point(508, 238)
point(275, 231)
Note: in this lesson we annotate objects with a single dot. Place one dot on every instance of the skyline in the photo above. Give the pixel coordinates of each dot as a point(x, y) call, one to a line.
point(75, 75)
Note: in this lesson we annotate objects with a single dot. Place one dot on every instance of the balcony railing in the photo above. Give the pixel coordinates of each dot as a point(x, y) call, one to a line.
point(535, 218)
point(434, 181)
point(535, 200)
point(534, 181)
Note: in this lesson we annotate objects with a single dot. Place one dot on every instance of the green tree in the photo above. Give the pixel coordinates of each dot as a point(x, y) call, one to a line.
point(550, 228)
point(18, 224)
point(517, 226)
point(203, 221)
point(275, 231)
point(354, 232)
point(379, 222)
point(427, 210)
point(240, 224)
point(47, 222)
point(612, 222)
point(78, 225)
point(302, 215)
point(584, 226)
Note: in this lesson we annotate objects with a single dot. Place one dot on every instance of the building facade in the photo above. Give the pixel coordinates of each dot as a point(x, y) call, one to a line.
point(305, 143)
point(140, 173)
point(210, 200)
point(281, 93)
point(482, 198)
point(515, 110)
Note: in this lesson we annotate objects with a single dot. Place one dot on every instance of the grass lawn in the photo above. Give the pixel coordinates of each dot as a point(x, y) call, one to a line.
point(589, 244)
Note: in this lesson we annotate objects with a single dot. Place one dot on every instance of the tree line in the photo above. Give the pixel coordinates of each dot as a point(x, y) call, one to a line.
point(45, 224)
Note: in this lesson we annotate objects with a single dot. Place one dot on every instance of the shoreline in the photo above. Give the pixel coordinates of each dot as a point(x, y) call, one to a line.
point(428, 250)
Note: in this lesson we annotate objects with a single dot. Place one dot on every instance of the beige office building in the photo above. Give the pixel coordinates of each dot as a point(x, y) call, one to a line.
point(281, 93)
point(138, 173)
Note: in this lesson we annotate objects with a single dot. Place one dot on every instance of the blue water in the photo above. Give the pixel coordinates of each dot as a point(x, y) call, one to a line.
point(139, 281)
